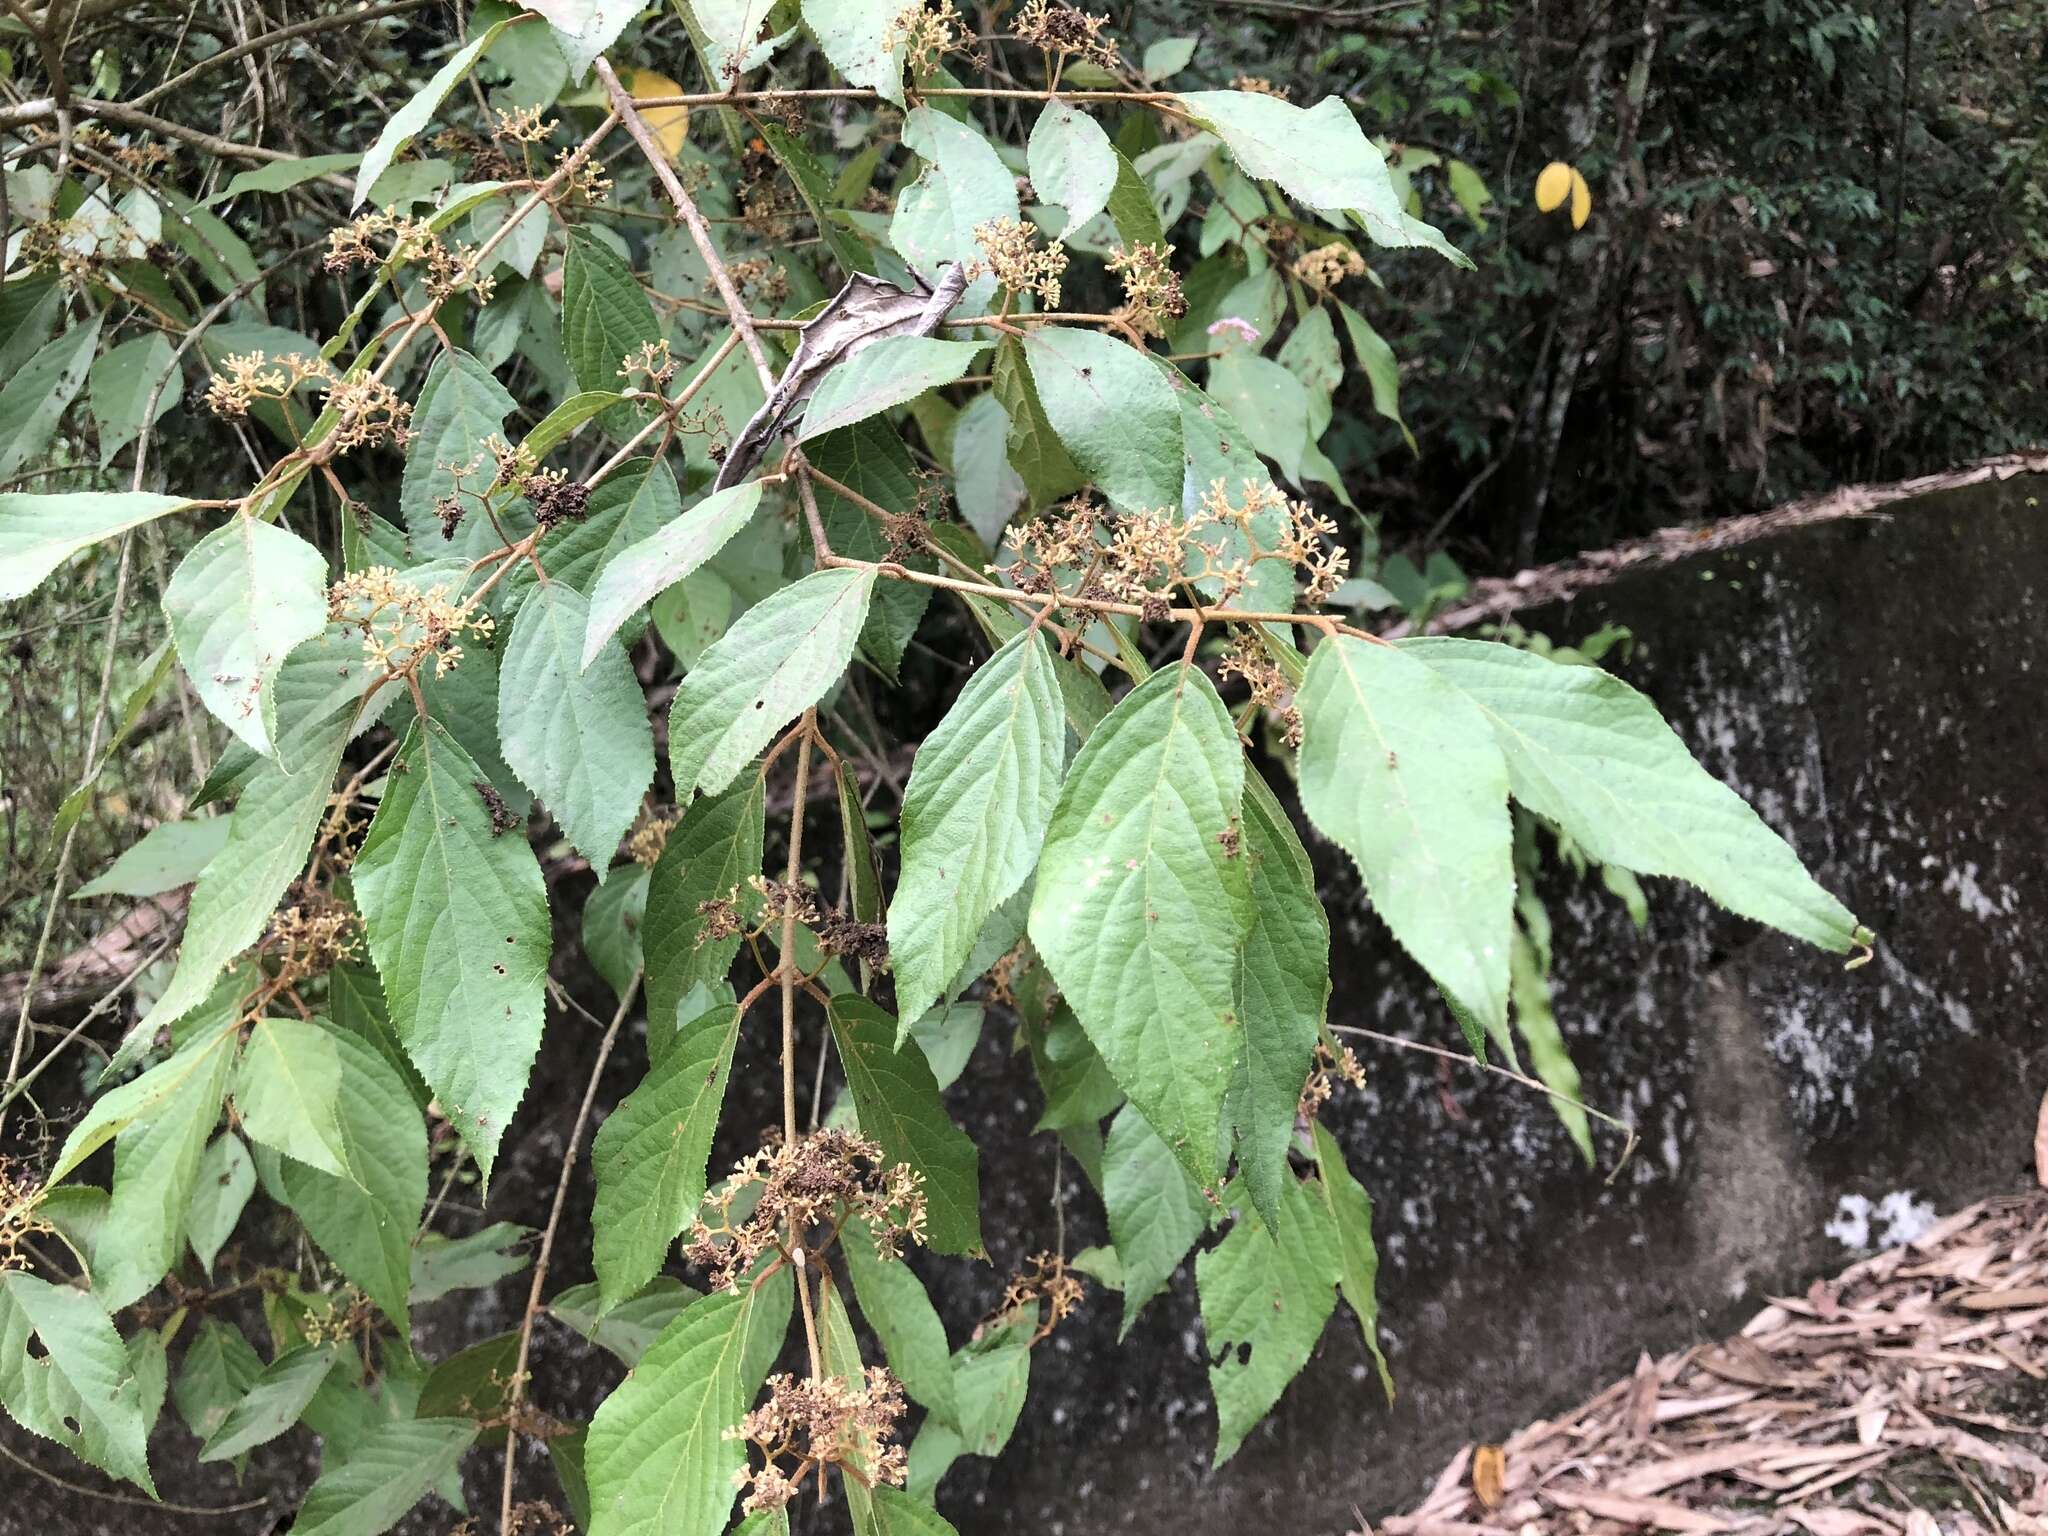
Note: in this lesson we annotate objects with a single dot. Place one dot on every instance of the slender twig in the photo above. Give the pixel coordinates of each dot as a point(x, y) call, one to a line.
point(516, 1392)
point(270, 39)
point(114, 1496)
point(628, 113)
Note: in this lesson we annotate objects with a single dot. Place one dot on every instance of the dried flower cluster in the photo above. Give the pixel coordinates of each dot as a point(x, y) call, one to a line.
point(757, 276)
point(1328, 265)
point(1066, 30)
point(402, 624)
point(1323, 1077)
point(923, 34)
point(583, 177)
point(647, 839)
point(19, 1194)
point(1258, 85)
point(1010, 249)
point(1152, 291)
point(840, 933)
point(819, 1422)
point(444, 272)
point(1247, 658)
point(247, 377)
point(823, 1179)
point(310, 938)
point(1045, 1280)
point(652, 364)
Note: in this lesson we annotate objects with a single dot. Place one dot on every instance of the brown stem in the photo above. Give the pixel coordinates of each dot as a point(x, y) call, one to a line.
point(786, 967)
point(516, 1392)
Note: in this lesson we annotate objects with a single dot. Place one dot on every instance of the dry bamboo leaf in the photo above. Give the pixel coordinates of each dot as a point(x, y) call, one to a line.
point(1489, 1475)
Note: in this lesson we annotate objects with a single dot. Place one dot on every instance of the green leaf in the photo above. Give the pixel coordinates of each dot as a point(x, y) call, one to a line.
point(365, 1223)
point(268, 838)
point(657, 1457)
point(38, 533)
point(459, 406)
point(1284, 989)
point(988, 490)
point(991, 1379)
point(457, 922)
point(605, 313)
point(219, 1367)
point(37, 395)
point(1381, 368)
point(1072, 163)
point(287, 1092)
point(1131, 208)
point(442, 1265)
point(981, 792)
point(642, 571)
point(1114, 412)
point(80, 1391)
point(283, 175)
point(29, 307)
point(736, 35)
point(1549, 1058)
point(474, 1383)
point(1167, 57)
point(863, 871)
point(650, 1155)
point(221, 1190)
point(863, 45)
point(1268, 402)
point(612, 920)
point(964, 184)
point(900, 1108)
point(272, 1404)
point(1265, 1297)
point(385, 1475)
point(1319, 156)
point(893, 1301)
point(1400, 770)
point(708, 856)
point(169, 855)
point(629, 506)
point(582, 30)
point(560, 424)
point(1155, 1211)
point(896, 1513)
point(1350, 1209)
point(629, 1329)
point(1079, 1087)
point(205, 1045)
point(412, 119)
point(1589, 753)
point(118, 387)
point(776, 662)
point(238, 605)
point(1140, 905)
point(156, 1169)
point(948, 1035)
point(871, 460)
point(882, 375)
point(1035, 451)
point(578, 738)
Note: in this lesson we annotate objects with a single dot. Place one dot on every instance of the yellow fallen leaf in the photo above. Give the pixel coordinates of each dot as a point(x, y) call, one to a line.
point(1553, 186)
point(669, 125)
point(1490, 1468)
point(1582, 200)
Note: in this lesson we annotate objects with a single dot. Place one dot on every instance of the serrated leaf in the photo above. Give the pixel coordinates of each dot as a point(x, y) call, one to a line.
point(585, 28)
point(365, 1223)
point(1401, 771)
point(414, 117)
point(900, 1108)
point(736, 36)
point(268, 839)
point(1268, 402)
point(288, 1090)
point(459, 406)
point(871, 460)
point(776, 662)
point(1265, 1298)
point(283, 175)
point(1589, 753)
point(1284, 986)
point(893, 1301)
point(860, 40)
point(442, 1265)
point(631, 504)
point(642, 571)
point(272, 1404)
point(1156, 1212)
point(657, 1458)
point(708, 855)
point(981, 793)
point(474, 1383)
point(1114, 412)
point(1318, 155)
point(577, 736)
point(80, 1391)
point(1035, 451)
point(1072, 163)
point(963, 185)
point(1140, 905)
point(220, 1191)
point(629, 1329)
point(118, 387)
point(1381, 368)
point(388, 1472)
point(1131, 208)
point(1350, 1209)
point(1079, 1087)
point(204, 1045)
point(555, 428)
point(36, 395)
point(612, 919)
point(991, 1379)
point(988, 490)
point(169, 855)
point(882, 375)
point(38, 533)
point(650, 1153)
point(238, 605)
point(457, 923)
point(948, 1035)
point(606, 316)
point(219, 1367)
